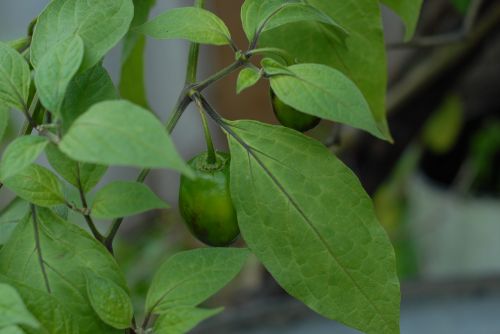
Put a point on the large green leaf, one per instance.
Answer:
(121, 133)
(181, 320)
(362, 58)
(190, 23)
(100, 24)
(132, 85)
(10, 216)
(55, 71)
(79, 174)
(20, 153)
(38, 185)
(15, 78)
(190, 277)
(12, 309)
(307, 218)
(67, 253)
(52, 316)
(257, 15)
(86, 89)
(322, 91)
(11, 330)
(111, 303)
(409, 10)
(124, 198)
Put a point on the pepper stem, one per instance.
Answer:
(211, 155)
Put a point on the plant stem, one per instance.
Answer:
(211, 156)
(200, 86)
(85, 213)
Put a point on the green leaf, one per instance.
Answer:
(193, 24)
(55, 71)
(76, 173)
(12, 309)
(4, 120)
(37, 185)
(121, 133)
(124, 198)
(307, 218)
(247, 78)
(20, 153)
(68, 252)
(15, 78)
(10, 216)
(266, 15)
(190, 277)
(100, 24)
(132, 85)
(362, 59)
(11, 330)
(53, 317)
(86, 89)
(409, 11)
(181, 320)
(322, 91)
(111, 303)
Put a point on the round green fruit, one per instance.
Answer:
(292, 118)
(205, 202)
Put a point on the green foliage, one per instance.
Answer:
(190, 277)
(247, 78)
(322, 91)
(260, 16)
(9, 217)
(79, 174)
(100, 24)
(123, 198)
(190, 23)
(111, 303)
(56, 69)
(132, 86)
(51, 314)
(362, 59)
(409, 10)
(20, 153)
(301, 211)
(11, 330)
(67, 253)
(12, 309)
(181, 320)
(4, 120)
(15, 78)
(37, 185)
(86, 89)
(316, 226)
(121, 133)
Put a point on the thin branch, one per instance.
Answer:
(85, 211)
(39, 248)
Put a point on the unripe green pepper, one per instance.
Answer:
(205, 202)
(292, 118)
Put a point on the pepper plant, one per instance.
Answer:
(299, 209)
